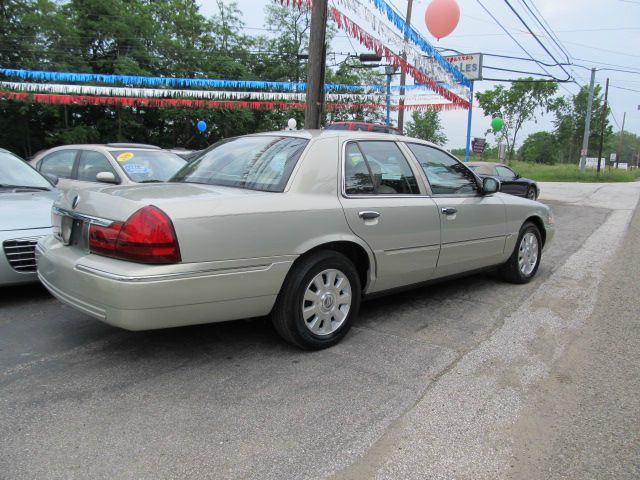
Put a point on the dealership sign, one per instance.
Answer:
(469, 64)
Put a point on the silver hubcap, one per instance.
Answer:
(528, 253)
(327, 301)
(531, 194)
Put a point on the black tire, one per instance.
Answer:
(532, 193)
(511, 271)
(287, 316)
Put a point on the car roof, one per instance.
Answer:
(349, 134)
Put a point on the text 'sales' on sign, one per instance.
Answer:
(470, 64)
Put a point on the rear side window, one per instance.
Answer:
(59, 163)
(446, 175)
(378, 167)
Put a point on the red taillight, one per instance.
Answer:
(147, 236)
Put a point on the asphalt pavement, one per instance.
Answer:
(431, 383)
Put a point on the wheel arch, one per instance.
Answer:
(538, 222)
(358, 253)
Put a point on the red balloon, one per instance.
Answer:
(442, 17)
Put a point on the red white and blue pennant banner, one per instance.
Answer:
(198, 103)
(428, 72)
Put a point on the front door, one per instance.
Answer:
(473, 225)
(384, 206)
(509, 182)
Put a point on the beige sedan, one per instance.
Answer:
(298, 225)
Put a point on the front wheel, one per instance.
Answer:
(531, 193)
(525, 259)
(318, 301)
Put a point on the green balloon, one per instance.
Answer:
(497, 124)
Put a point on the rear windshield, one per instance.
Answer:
(145, 166)
(253, 162)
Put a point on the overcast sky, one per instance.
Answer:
(596, 33)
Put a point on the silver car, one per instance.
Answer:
(82, 166)
(299, 225)
(26, 198)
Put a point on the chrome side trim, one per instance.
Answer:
(103, 222)
(395, 251)
(174, 276)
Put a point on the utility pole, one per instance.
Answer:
(587, 125)
(403, 75)
(603, 121)
(619, 149)
(316, 67)
(388, 70)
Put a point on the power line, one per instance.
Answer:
(511, 36)
(559, 48)
(536, 38)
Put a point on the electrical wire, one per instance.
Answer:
(536, 38)
(516, 41)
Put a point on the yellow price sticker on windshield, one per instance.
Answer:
(123, 157)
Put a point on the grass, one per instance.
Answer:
(571, 173)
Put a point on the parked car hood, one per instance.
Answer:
(25, 210)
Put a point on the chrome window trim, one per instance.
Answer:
(102, 222)
(343, 173)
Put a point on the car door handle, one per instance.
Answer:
(368, 215)
(449, 211)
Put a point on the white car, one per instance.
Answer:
(299, 225)
(26, 198)
(81, 166)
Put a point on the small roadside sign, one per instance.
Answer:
(478, 145)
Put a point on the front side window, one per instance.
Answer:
(258, 162)
(58, 163)
(91, 164)
(506, 173)
(378, 167)
(446, 175)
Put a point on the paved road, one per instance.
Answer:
(425, 385)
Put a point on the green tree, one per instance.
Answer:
(540, 147)
(426, 125)
(570, 113)
(517, 105)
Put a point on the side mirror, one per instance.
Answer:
(52, 178)
(490, 185)
(107, 177)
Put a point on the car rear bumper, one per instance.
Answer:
(143, 297)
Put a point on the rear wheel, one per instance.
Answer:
(525, 259)
(318, 302)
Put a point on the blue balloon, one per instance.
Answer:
(202, 125)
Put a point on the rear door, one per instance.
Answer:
(384, 205)
(473, 225)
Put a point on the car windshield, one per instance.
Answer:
(261, 162)
(14, 172)
(144, 166)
